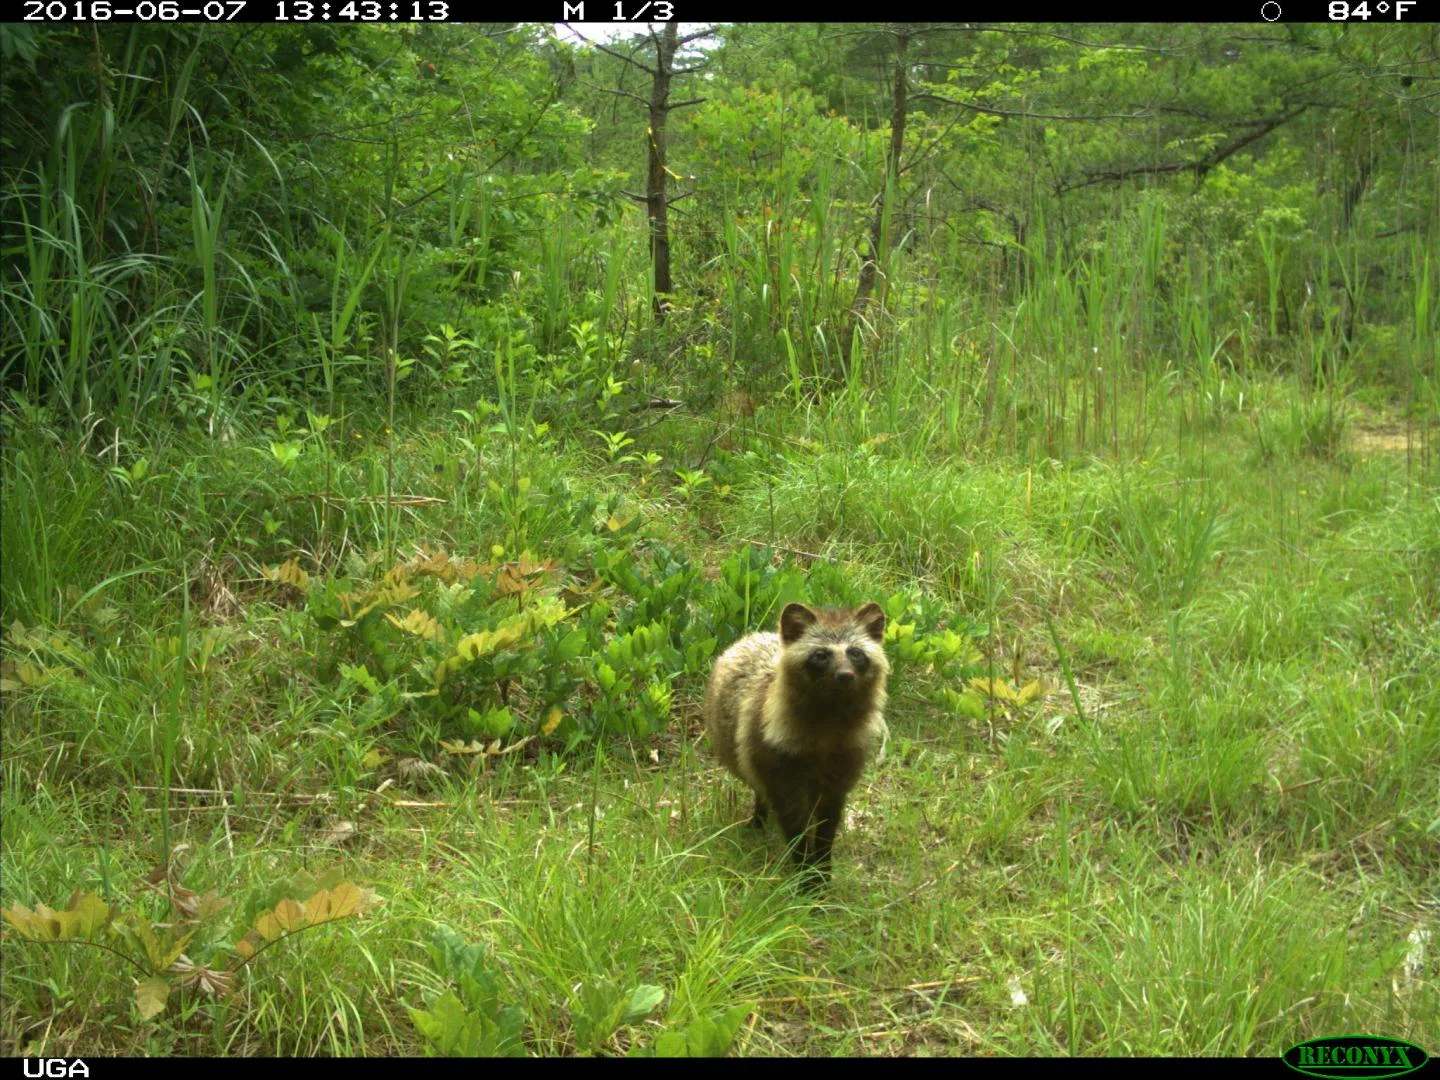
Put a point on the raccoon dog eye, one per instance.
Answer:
(819, 658)
(858, 657)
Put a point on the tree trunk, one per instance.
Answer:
(879, 232)
(656, 204)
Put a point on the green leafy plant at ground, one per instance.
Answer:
(520, 648)
(468, 1020)
(601, 1008)
(471, 1020)
(705, 1036)
(158, 950)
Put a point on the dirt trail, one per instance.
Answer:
(1386, 441)
(1372, 433)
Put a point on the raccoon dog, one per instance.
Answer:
(793, 715)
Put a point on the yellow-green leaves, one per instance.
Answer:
(157, 949)
(290, 916)
(1000, 690)
(511, 631)
(387, 594)
(420, 624)
(288, 573)
(932, 649)
(85, 914)
(151, 995)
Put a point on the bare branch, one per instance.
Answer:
(1199, 166)
(617, 93)
(422, 197)
(612, 52)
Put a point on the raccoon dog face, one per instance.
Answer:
(831, 651)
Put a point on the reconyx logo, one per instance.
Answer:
(1341, 1057)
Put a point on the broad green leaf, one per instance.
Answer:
(570, 646)
(643, 1000)
(672, 1044)
(151, 995)
(84, 914)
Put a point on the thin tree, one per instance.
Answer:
(666, 44)
(879, 224)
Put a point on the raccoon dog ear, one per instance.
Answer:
(794, 621)
(872, 620)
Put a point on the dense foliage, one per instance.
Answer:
(248, 211)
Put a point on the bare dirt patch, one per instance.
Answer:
(1384, 441)
(1374, 432)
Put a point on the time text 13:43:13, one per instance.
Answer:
(362, 10)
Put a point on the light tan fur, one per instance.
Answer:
(793, 714)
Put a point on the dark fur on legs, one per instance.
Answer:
(759, 814)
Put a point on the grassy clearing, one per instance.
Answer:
(1221, 843)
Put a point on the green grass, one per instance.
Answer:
(1224, 852)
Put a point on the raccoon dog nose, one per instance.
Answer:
(844, 675)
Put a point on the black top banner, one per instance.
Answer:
(697, 13)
